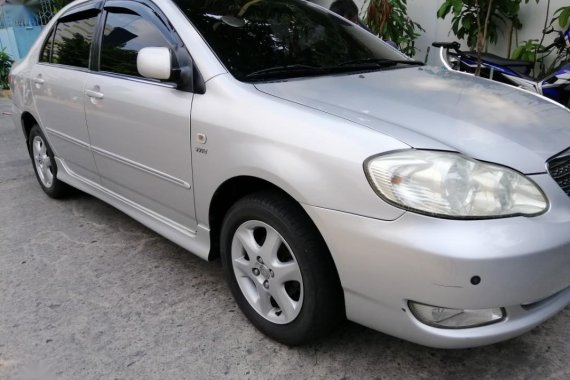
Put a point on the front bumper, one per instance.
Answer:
(523, 263)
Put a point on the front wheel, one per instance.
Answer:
(279, 269)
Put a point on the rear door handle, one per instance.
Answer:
(94, 94)
(39, 80)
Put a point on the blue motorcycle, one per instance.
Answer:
(554, 85)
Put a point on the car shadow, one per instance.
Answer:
(350, 344)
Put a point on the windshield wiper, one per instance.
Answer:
(381, 62)
(286, 69)
(302, 70)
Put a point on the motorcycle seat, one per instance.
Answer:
(522, 67)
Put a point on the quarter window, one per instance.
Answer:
(46, 50)
(125, 34)
(73, 36)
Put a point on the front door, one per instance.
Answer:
(140, 128)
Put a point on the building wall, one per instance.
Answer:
(17, 40)
(424, 12)
(25, 38)
(8, 43)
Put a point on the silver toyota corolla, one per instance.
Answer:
(333, 176)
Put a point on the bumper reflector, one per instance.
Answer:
(446, 318)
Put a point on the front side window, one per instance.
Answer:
(73, 37)
(268, 36)
(125, 34)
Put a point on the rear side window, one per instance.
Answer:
(46, 50)
(73, 36)
(124, 35)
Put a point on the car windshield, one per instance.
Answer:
(268, 39)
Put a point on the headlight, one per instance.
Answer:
(451, 185)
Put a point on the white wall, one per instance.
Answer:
(424, 12)
(532, 16)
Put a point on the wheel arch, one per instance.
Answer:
(227, 194)
(275, 205)
(27, 122)
(234, 189)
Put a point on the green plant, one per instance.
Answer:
(478, 21)
(57, 5)
(471, 18)
(528, 51)
(533, 50)
(563, 15)
(389, 20)
(5, 66)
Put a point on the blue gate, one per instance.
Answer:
(20, 25)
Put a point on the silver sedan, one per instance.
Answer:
(333, 176)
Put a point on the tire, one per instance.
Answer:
(44, 165)
(279, 269)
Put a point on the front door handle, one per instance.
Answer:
(39, 80)
(94, 94)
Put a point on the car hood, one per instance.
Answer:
(432, 108)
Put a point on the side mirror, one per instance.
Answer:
(155, 62)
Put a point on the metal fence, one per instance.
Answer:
(21, 23)
(36, 14)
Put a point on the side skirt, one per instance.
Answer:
(197, 242)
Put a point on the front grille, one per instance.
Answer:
(559, 169)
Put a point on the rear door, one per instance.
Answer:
(140, 128)
(58, 80)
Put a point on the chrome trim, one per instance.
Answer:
(141, 167)
(94, 94)
(59, 66)
(564, 153)
(109, 74)
(135, 79)
(444, 60)
(68, 138)
(524, 84)
(539, 86)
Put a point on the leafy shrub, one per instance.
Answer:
(389, 20)
(5, 66)
(527, 51)
(472, 17)
(563, 15)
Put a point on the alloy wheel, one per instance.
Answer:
(267, 272)
(42, 161)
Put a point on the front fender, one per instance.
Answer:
(315, 157)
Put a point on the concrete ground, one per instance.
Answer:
(88, 293)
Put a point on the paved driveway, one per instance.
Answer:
(88, 293)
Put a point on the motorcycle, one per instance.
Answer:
(555, 84)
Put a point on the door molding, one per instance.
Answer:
(68, 138)
(141, 167)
